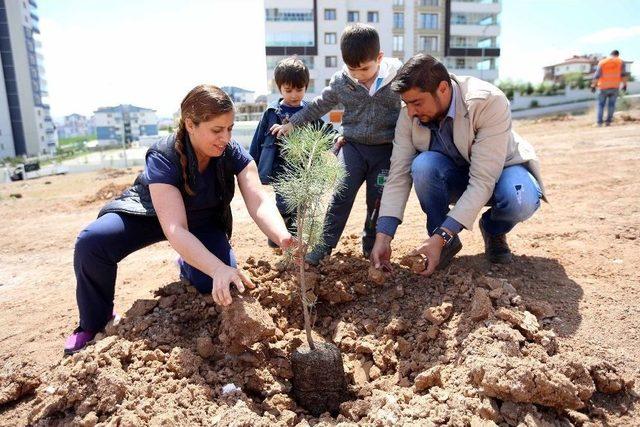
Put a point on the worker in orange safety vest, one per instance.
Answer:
(609, 74)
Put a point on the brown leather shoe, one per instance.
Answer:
(496, 248)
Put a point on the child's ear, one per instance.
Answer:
(379, 58)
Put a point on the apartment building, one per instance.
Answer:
(74, 125)
(26, 127)
(461, 33)
(124, 121)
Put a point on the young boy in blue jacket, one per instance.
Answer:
(371, 110)
(292, 78)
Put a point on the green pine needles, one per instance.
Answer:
(312, 174)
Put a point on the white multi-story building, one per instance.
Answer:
(74, 125)
(128, 122)
(463, 33)
(26, 127)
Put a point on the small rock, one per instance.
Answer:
(416, 263)
(541, 309)
(432, 332)
(376, 276)
(361, 372)
(374, 373)
(438, 315)
(428, 378)
(396, 326)
(481, 307)
(205, 347)
(142, 307)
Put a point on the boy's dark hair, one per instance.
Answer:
(291, 71)
(421, 71)
(359, 43)
(615, 52)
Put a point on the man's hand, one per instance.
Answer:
(381, 252)
(624, 87)
(431, 248)
(281, 130)
(222, 279)
(593, 89)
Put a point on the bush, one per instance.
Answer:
(534, 103)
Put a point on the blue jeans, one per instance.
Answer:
(608, 97)
(439, 182)
(109, 239)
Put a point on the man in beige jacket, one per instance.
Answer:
(454, 142)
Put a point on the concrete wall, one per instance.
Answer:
(520, 102)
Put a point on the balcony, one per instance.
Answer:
(475, 30)
(476, 7)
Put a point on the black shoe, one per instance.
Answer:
(496, 248)
(448, 252)
(367, 247)
(272, 244)
(314, 258)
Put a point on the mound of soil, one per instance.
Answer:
(106, 193)
(460, 348)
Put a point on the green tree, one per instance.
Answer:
(312, 175)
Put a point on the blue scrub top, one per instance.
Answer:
(199, 208)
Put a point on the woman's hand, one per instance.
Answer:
(222, 279)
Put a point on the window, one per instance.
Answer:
(398, 20)
(331, 61)
(459, 19)
(429, 21)
(398, 2)
(429, 43)
(329, 14)
(398, 43)
(353, 16)
(428, 2)
(329, 38)
(459, 41)
(460, 63)
(372, 17)
(312, 86)
(326, 82)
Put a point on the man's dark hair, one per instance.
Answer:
(291, 71)
(359, 43)
(421, 71)
(615, 52)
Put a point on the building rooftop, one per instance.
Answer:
(128, 108)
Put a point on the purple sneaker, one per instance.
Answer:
(80, 338)
(77, 341)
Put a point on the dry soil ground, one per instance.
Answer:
(459, 348)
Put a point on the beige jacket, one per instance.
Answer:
(483, 136)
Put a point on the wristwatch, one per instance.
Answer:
(444, 234)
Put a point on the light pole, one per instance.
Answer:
(125, 123)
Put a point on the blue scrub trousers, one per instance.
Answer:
(111, 238)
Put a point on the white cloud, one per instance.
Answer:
(611, 34)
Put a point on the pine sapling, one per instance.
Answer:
(312, 174)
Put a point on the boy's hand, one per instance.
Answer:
(281, 130)
(340, 142)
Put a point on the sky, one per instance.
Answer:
(150, 53)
